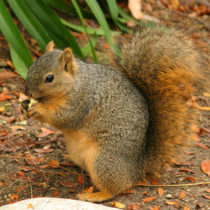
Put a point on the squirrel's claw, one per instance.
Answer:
(95, 197)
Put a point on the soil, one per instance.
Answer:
(32, 155)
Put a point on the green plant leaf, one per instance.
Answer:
(66, 7)
(31, 23)
(76, 6)
(113, 8)
(95, 8)
(52, 23)
(20, 66)
(92, 31)
(13, 36)
(86, 49)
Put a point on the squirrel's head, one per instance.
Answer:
(51, 75)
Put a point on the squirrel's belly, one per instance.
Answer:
(82, 150)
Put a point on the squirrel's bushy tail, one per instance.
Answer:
(165, 68)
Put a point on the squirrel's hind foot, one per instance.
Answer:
(95, 197)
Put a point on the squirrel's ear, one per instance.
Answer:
(67, 61)
(50, 47)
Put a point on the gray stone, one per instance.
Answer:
(54, 204)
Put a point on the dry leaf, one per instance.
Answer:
(155, 181)
(54, 163)
(118, 205)
(192, 179)
(1, 183)
(4, 97)
(206, 196)
(2, 109)
(149, 199)
(45, 132)
(9, 63)
(200, 205)
(171, 203)
(43, 150)
(156, 208)
(25, 168)
(160, 191)
(135, 8)
(205, 166)
(14, 197)
(68, 184)
(21, 188)
(202, 146)
(186, 208)
(7, 75)
(186, 169)
(175, 4)
(134, 206)
(182, 195)
(30, 206)
(106, 46)
(61, 174)
(56, 193)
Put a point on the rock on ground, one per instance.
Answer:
(54, 204)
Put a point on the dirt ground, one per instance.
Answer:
(32, 155)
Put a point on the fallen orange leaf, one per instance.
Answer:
(21, 188)
(205, 166)
(186, 208)
(206, 196)
(182, 195)
(171, 203)
(160, 191)
(118, 205)
(54, 163)
(30, 206)
(56, 193)
(156, 208)
(190, 178)
(202, 146)
(146, 200)
(14, 197)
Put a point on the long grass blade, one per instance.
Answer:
(95, 8)
(76, 6)
(31, 23)
(52, 23)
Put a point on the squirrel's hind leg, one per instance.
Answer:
(112, 174)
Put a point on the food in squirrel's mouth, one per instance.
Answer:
(28, 103)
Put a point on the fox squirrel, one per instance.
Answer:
(119, 125)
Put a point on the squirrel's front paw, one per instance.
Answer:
(33, 111)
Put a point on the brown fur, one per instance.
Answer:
(166, 69)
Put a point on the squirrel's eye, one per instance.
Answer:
(49, 78)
